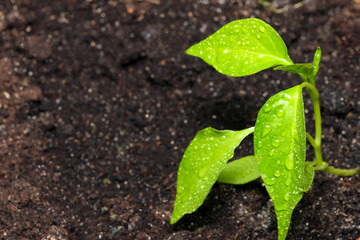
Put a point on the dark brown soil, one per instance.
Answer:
(98, 102)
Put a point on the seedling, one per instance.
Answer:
(240, 48)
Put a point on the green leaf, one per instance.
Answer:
(200, 166)
(308, 176)
(317, 58)
(301, 68)
(310, 70)
(240, 171)
(280, 147)
(242, 47)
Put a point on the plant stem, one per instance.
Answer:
(316, 142)
(342, 172)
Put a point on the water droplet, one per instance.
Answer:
(223, 137)
(258, 36)
(265, 130)
(280, 113)
(262, 29)
(211, 139)
(278, 162)
(270, 190)
(288, 181)
(269, 181)
(277, 173)
(259, 144)
(272, 151)
(247, 42)
(286, 197)
(289, 163)
(280, 207)
(267, 107)
(180, 189)
(202, 186)
(195, 147)
(202, 172)
(279, 124)
(275, 143)
(281, 232)
(296, 137)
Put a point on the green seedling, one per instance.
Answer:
(241, 48)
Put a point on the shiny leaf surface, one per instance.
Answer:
(200, 166)
(240, 171)
(242, 47)
(302, 68)
(308, 176)
(279, 143)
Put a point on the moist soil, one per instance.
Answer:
(98, 102)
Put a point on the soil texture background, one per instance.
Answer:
(98, 102)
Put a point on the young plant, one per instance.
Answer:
(240, 48)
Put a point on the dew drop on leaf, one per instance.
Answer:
(288, 182)
(275, 143)
(289, 163)
(267, 107)
(277, 173)
(272, 151)
(296, 137)
(202, 172)
(259, 144)
(262, 29)
(269, 181)
(266, 129)
(280, 113)
(286, 196)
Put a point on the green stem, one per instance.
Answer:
(310, 139)
(316, 142)
(303, 77)
(317, 148)
(342, 172)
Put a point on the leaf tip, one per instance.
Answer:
(173, 220)
(175, 217)
(191, 51)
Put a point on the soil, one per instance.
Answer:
(98, 101)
